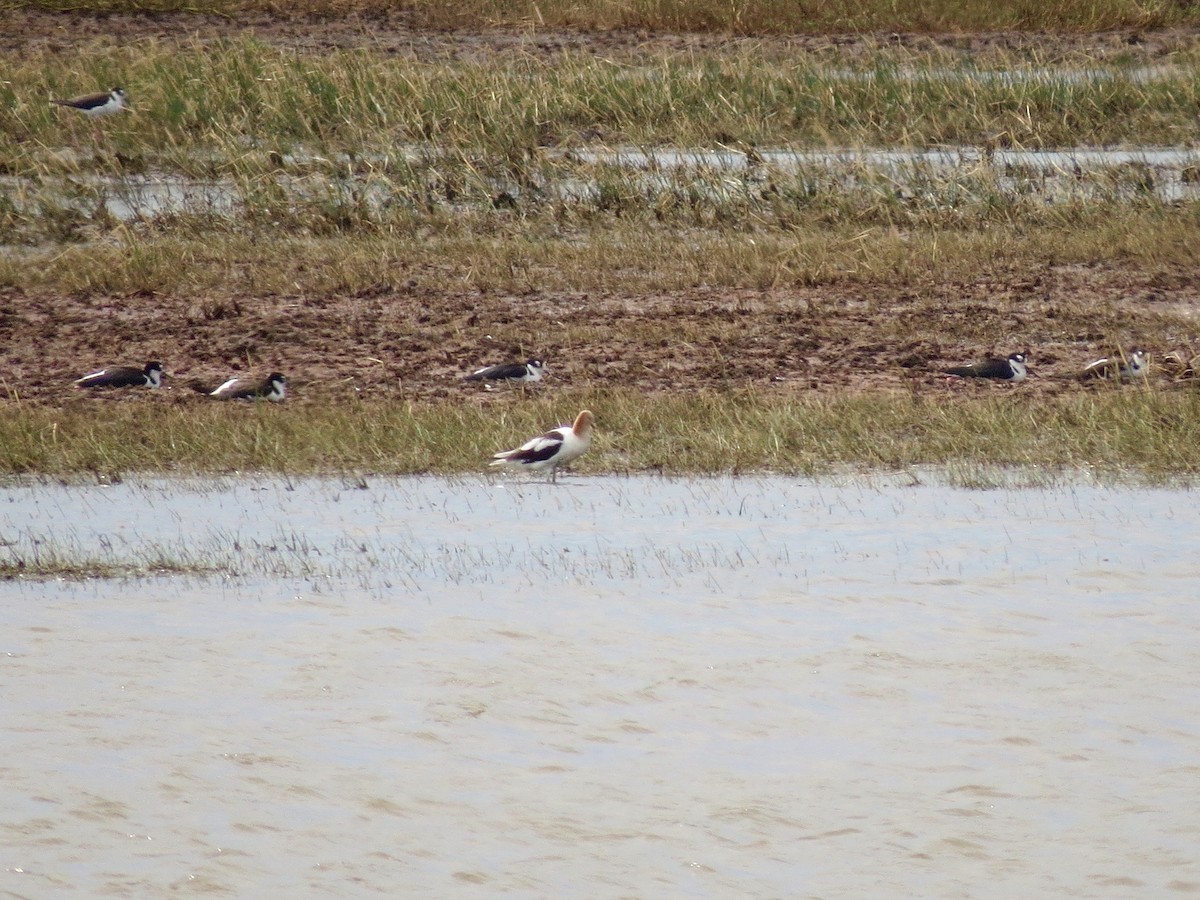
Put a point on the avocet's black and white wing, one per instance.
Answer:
(548, 451)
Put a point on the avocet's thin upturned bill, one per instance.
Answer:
(96, 105)
(553, 449)
(1012, 369)
(124, 376)
(1125, 368)
(530, 370)
(273, 388)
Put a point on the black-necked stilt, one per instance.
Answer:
(96, 105)
(1012, 369)
(1122, 367)
(150, 376)
(520, 373)
(553, 449)
(273, 388)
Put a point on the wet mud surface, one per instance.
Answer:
(417, 344)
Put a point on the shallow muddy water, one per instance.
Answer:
(610, 687)
(953, 173)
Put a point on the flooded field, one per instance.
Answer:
(964, 174)
(610, 687)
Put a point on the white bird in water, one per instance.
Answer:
(553, 449)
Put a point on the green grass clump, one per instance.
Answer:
(29, 556)
(1148, 433)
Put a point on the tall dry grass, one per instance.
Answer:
(246, 108)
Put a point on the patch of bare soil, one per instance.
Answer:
(416, 346)
(23, 31)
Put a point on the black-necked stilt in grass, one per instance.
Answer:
(515, 373)
(553, 449)
(1012, 369)
(95, 105)
(150, 376)
(1122, 367)
(273, 387)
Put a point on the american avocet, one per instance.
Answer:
(1012, 369)
(95, 105)
(553, 449)
(1122, 367)
(124, 376)
(530, 370)
(273, 387)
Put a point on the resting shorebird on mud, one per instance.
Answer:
(124, 376)
(1122, 367)
(550, 450)
(273, 387)
(513, 373)
(1012, 369)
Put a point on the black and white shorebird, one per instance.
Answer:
(96, 105)
(150, 376)
(1012, 369)
(1121, 367)
(273, 388)
(514, 373)
(553, 449)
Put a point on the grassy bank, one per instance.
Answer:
(1149, 434)
(561, 250)
(743, 16)
(238, 106)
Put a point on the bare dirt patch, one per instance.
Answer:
(24, 31)
(416, 346)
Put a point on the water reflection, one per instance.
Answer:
(719, 687)
(429, 533)
(1056, 176)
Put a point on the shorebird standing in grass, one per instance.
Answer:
(273, 388)
(553, 449)
(515, 373)
(1122, 367)
(1012, 369)
(124, 376)
(96, 105)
